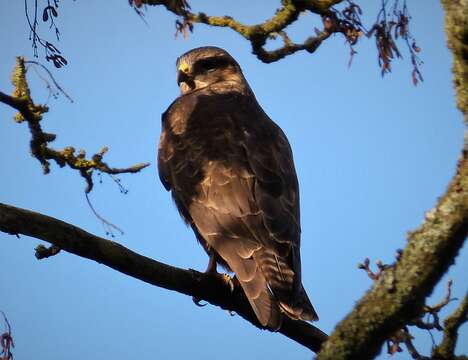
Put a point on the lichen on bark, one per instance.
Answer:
(32, 113)
(399, 295)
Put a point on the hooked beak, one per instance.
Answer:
(184, 76)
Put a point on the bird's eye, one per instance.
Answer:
(208, 65)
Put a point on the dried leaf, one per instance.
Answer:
(45, 15)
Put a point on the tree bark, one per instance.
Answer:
(202, 286)
(399, 295)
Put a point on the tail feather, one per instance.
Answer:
(262, 301)
(285, 285)
(301, 309)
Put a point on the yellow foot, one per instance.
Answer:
(228, 280)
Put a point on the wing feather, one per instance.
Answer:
(232, 175)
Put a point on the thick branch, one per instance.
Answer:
(456, 27)
(202, 286)
(398, 296)
(13, 102)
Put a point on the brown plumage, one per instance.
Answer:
(231, 174)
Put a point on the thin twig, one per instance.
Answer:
(108, 226)
(56, 84)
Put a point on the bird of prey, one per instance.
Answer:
(231, 174)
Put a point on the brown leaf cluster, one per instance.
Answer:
(392, 24)
(49, 15)
(6, 341)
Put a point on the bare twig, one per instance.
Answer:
(428, 319)
(403, 336)
(108, 226)
(446, 349)
(51, 76)
(431, 313)
(381, 267)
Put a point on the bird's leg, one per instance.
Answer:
(211, 269)
(212, 266)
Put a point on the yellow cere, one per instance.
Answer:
(184, 68)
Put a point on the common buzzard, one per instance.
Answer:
(231, 174)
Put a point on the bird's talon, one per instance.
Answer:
(228, 280)
(197, 301)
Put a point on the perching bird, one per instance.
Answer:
(231, 174)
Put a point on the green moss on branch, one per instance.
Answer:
(399, 295)
(31, 113)
(456, 27)
(257, 34)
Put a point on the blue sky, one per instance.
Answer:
(372, 156)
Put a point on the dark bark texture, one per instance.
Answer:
(202, 286)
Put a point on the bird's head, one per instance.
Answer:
(205, 66)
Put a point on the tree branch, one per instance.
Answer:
(32, 114)
(202, 286)
(258, 34)
(446, 349)
(398, 295)
(392, 24)
(456, 28)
